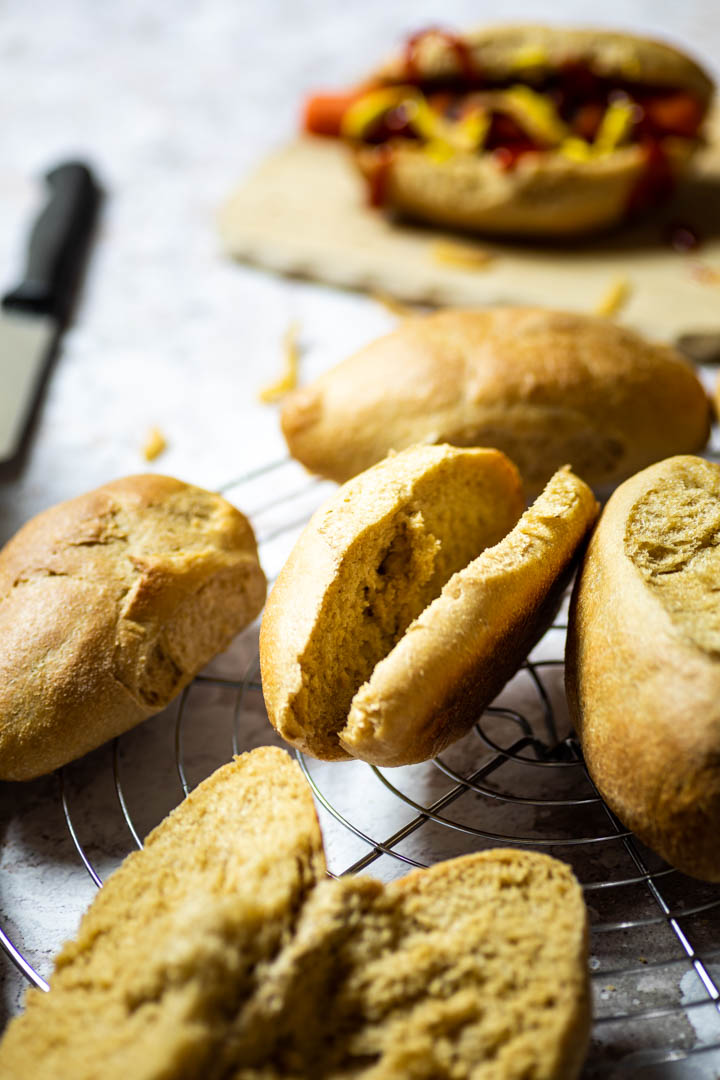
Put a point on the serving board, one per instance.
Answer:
(304, 212)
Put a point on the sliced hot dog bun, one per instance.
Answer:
(369, 561)
(643, 660)
(545, 387)
(220, 950)
(474, 969)
(458, 654)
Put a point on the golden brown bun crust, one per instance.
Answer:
(643, 660)
(497, 54)
(547, 388)
(109, 604)
(474, 637)
(368, 562)
(544, 194)
(219, 950)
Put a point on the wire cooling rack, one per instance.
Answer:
(517, 779)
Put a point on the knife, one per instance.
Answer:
(35, 313)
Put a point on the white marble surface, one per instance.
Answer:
(172, 102)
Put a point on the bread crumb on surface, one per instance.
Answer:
(155, 444)
(463, 256)
(288, 379)
(615, 297)
(393, 305)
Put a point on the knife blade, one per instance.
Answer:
(36, 311)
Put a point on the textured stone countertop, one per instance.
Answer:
(172, 103)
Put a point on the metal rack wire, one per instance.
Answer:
(517, 779)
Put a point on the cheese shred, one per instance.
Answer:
(463, 256)
(288, 378)
(154, 444)
(615, 297)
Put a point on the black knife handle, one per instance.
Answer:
(58, 242)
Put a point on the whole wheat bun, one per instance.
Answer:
(221, 950)
(548, 193)
(109, 605)
(643, 660)
(545, 387)
(391, 627)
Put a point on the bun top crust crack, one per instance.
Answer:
(525, 130)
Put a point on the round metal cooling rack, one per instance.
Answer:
(517, 779)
